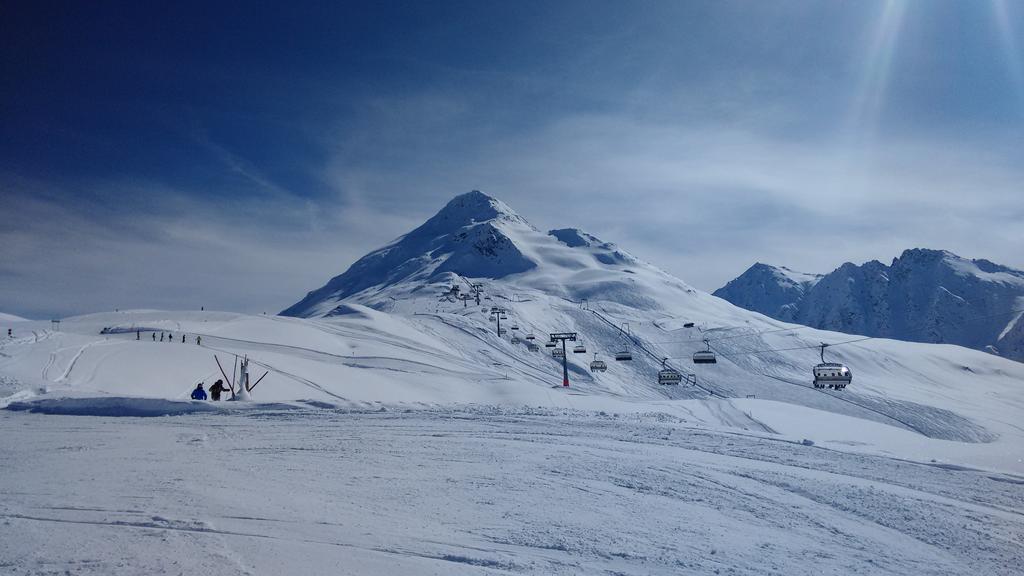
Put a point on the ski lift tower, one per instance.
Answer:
(563, 336)
(498, 313)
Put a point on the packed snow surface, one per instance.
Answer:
(480, 491)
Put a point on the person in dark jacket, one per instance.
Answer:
(216, 390)
(199, 393)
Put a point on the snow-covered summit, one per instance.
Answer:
(470, 236)
(772, 290)
(923, 295)
(479, 237)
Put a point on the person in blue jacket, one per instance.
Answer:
(199, 393)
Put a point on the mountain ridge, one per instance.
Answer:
(923, 295)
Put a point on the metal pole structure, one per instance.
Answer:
(565, 366)
(563, 336)
(498, 316)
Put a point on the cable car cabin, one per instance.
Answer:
(669, 377)
(704, 357)
(579, 349)
(598, 366)
(832, 375)
(531, 337)
(532, 347)
(549, 344)
(558, 353)
(623, 356)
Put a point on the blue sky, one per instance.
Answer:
(235, 157)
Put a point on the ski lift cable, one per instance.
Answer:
(795, 328)
(642, 347)
(829, 394)
(814, 346)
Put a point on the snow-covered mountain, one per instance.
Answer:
(923, 296)
(477, 236)
(407, 397)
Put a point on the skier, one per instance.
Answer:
(199, 393)
(154, 336)
(138, 334)
(161, 336)
(216, 389)
(182, 338)
(170, 337)
(199, 340)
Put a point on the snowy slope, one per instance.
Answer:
(923, 296)
(10, 318)
(393, 335)
(480, 491)
(397, 432)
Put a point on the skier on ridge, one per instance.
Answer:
(199, 393)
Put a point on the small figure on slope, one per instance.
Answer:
(216, 390)
(199, 393)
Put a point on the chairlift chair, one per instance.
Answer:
(549, 344)
(515, 326)
(532, 347)
(668, 376)
(623, 355)
(515, 339)
(597, 365)
(557, 353)
(530, 337)
(831, 374)
(579, 348)
(705, 356)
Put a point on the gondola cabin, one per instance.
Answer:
(832, 375)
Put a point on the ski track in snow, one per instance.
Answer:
(480, 491)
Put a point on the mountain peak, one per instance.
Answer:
(470, 208)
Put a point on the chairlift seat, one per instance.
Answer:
(579, 349)
(623, 356)
(669, 376)
(704, 357)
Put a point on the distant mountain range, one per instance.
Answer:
(922, 296)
